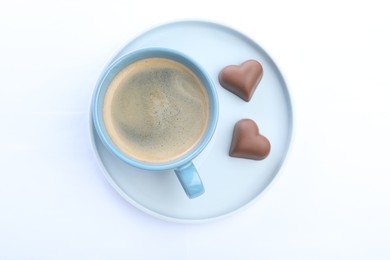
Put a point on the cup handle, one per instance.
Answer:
(190, 180)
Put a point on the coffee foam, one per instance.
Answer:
(155, 110)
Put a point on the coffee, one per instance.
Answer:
(156, 110)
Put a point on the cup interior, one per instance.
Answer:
(118, 65)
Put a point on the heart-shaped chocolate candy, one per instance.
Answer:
(242, 80)
(247, 142)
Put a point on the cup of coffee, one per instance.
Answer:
(157, 109)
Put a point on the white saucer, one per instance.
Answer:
(230, 183)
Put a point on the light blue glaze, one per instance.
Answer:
(189, 179)
(183, 166)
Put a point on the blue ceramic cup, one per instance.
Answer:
(182, 166)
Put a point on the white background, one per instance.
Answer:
(331, 200)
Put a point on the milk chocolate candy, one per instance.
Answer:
(242, 80)
(247, 142)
